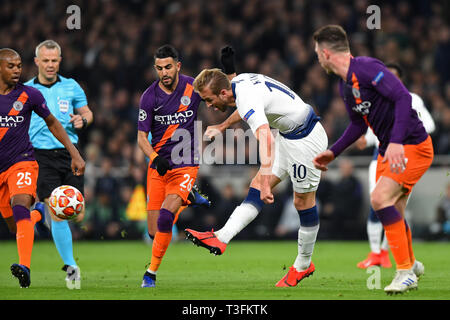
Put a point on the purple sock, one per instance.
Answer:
(165, 221)
(388, 215)
(20, 213)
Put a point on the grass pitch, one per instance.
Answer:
(247, 271)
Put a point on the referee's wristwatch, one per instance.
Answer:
(85, 123)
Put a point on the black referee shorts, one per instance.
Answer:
(55, 171)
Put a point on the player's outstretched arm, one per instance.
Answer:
(266, 153)
(55, 127)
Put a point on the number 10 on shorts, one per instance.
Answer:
(299, 172)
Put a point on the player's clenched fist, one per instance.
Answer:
(213, 131)
(162, 165)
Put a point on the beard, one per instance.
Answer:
(169, 84)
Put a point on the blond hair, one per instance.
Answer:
(215, 79)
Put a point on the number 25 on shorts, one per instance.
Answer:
(23, 179)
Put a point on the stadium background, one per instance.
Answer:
(111, 57)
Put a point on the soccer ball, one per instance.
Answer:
(66, 202)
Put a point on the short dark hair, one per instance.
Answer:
(166, 51)
(333, 36)
(397, 67)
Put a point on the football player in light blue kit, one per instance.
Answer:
(67, 102)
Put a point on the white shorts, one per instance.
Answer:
(294, 158)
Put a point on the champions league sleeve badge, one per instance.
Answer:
(142, 115)
(185, 100)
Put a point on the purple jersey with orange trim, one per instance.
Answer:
(16, 108)
(375, 97)
(170, 118)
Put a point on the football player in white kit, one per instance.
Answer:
(265, 103)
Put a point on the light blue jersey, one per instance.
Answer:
(63, 97)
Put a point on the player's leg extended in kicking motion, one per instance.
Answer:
(216, 242)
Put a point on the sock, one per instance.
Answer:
(239, 219)
(307, 235)
(394, 227)
(24, 234)
(409, 236)
(35, 216)
(162, 238)
(62, 237)
(384, 243)
(374, 233)
(241, 216)
(159, 247)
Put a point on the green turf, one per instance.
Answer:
(248, 270)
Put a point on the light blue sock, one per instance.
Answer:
(62, 237)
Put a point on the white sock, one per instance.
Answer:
(239, 219)
(150, 271)
(384, 244)
(374, 233)
(306, 241)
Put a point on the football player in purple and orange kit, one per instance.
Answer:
(168, 110)
(18, 167)
(375, 97)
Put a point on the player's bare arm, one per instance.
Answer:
(83, 118)
(266, 152)
(144, 144)
(162, 164)
(55, 127)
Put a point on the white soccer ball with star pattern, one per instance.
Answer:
(66, 202)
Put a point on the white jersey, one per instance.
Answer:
(423, 113)
(263, 100)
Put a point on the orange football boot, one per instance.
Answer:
(293, 277)
(207, 240)
(373, 259)
(384, 259)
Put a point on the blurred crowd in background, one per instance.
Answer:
(111, 56)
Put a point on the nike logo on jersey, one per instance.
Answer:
(156, 109)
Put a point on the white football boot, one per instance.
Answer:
(404, 281)
(418, 268)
